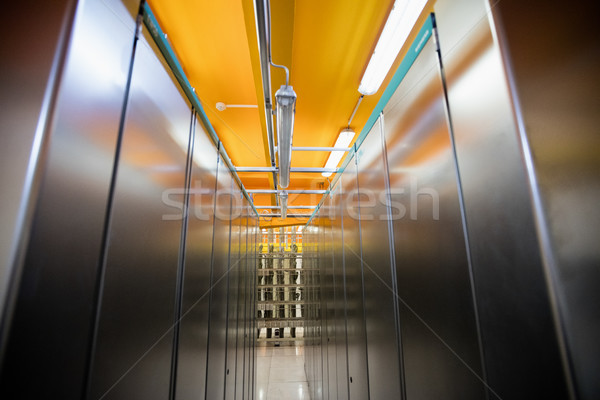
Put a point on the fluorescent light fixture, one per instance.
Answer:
(286, 107)
(400, 22)
(283, 200)
(343, 140)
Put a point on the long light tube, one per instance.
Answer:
(343, 140)
(286, 107)
(400, 22)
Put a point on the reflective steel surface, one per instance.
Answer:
(557, 88)
(454, 258)
(30, 83)
(215, 372)
(54, 304)
(193, 331)
(339, 300)
(358, 377)
(133, 349)
(522, 357)
(437, 318)
(380, 297)
(233, 285)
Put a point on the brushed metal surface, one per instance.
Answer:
(133, 352)
(316, 298)
(245, 360)
(323, 240)
(47, 347)
(328, 304)
(555, 77)
(30, 81)
(437, 317)
(339, 303)
(234, 314)
(217, 335)
(522, 357)
(312, 343)
(253, 319)
(382, 342)
(239, 374)
(353, 287)
(249, 310)
(193, 336)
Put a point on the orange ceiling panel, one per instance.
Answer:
(209, 38)
(326, 44)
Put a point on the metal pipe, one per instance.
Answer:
(222, 106)
(256, 169)
(355, 109)
(313, 170)
(289, 207)
(300, 148)
(268, 31)
(264, 46)
(295, 191)
(297, 169)
(288, 215)
(321, 148)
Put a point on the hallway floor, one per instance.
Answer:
(280, 373)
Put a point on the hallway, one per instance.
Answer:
(409, 188)
(280, 373)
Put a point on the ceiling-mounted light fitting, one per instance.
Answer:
(286, 107)
(400, 22)
(283, 202)
(343, 140)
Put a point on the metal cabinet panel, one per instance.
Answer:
(438, 326)
(234, 314)
(328, 310)
(557, 84)
(248, 310)
(338, 300)
(241, 315)
(193, 330)
(522, 358)
(134, 339)
(253, 279)
(242, 307)
(32, 51)
(353, 287)
(48, 345)
(379, 279)
(217, 335)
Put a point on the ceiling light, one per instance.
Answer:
(286, 107)
(400, 22)
(283, 200)
(343, 140)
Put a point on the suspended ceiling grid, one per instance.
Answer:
(325, 44)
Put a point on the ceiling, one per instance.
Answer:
(326, 44)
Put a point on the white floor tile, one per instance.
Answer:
(280, 374)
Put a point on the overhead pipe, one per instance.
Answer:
(262, 16)
(301, 148)
(286, 108)
(288, 215)
(309, 170)
(295, 191)
(289, 207)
